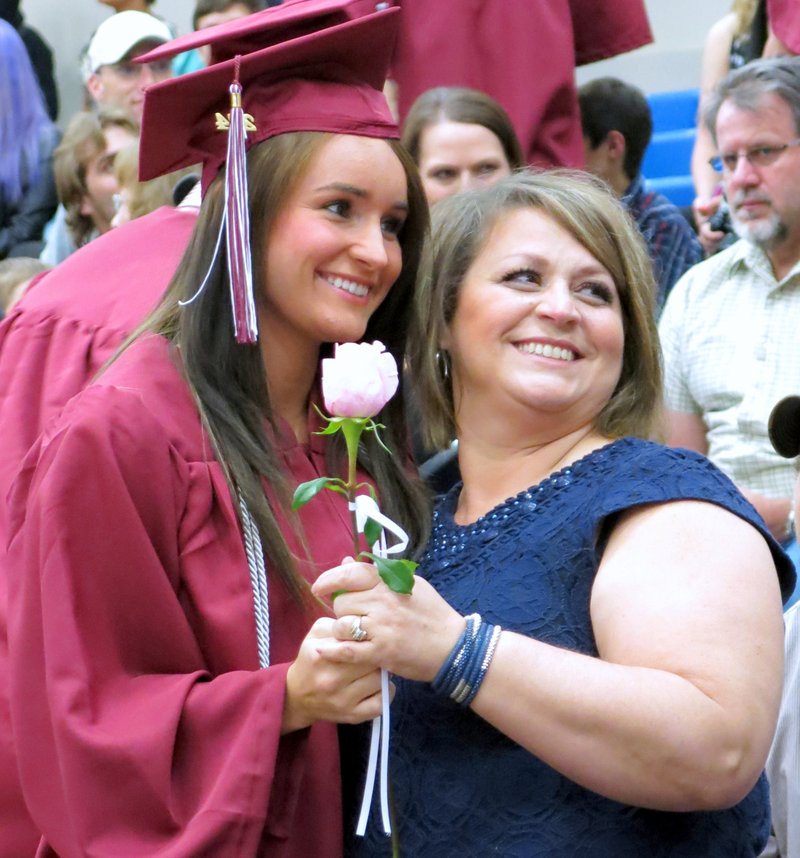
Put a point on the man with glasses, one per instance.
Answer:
(729, 328)
(111, 76)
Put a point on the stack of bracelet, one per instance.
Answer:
(463, 670)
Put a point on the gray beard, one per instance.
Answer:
(765, 234)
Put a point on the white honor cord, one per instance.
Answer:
(364, 508)
(258, 580)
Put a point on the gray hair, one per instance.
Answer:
(746, 86)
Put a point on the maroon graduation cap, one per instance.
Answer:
(308, 65)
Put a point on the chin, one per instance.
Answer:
(764, 233)
(344, 333)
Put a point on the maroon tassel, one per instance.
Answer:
(237, 222)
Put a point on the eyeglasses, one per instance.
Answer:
(758, 156)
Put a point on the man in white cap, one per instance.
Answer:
(112, 78)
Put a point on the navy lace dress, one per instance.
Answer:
(460, 787)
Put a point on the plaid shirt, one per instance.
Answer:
(729, 336)
(673, 246)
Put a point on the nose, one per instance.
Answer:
(557, 304)
(467, 181)
(370, 246)
(744, 173)
(146, 76)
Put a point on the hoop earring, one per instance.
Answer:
(443, 364)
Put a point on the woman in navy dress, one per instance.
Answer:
(590, 661)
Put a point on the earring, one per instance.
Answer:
(443, 364)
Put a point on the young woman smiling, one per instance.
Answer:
(165, 639)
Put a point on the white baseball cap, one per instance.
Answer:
(118, 35)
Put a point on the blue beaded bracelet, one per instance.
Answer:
(445, 680)
(465, 667)
(483, 665)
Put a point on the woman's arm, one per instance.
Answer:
(679, 710)
(716, 63)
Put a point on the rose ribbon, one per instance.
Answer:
(365, 507)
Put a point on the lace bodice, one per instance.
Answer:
(460, 787)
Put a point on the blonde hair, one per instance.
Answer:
(582, 206)
(745, 11)
(15, 274)
(144, 197)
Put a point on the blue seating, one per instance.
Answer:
(677, 189)
(667, 161)
(673, 111)
(669, 154)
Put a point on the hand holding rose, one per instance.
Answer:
(392, 621)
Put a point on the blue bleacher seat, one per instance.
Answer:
(673, 111)
(669, 154)
(678, 189)
(667, 161)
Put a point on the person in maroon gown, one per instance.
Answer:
(520, 53)
(166, 696)
(55, 339)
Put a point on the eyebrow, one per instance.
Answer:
(354, 191)
(526, 257)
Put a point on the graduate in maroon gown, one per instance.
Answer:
(51, 344)
(784, 23)
(166, 692)
(521, 53)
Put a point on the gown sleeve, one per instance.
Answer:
(128, 745)
(607, 28)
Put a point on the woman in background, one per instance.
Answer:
(460, 139)
(27, 140)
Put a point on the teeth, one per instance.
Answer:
(546, 350)
(349, 286)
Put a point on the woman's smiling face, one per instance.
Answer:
(538, 325)
(334, 249)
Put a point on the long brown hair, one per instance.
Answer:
(229, 381)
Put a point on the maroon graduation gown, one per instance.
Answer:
(142, 722)
(522, 53)
(51, 344)
(784, 20)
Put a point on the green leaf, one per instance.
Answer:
(305, 491)
(398, 575)
(374, 427)
(334, 425)
(372, 531)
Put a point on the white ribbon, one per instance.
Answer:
(365, 507)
